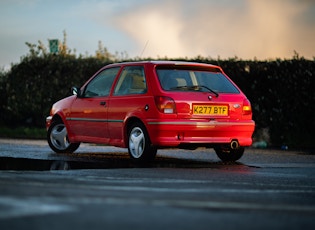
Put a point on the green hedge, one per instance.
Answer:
(282, 92)
(33, 85)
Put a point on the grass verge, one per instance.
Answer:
(23, 132)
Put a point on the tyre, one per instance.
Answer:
(57, 137)
(227, 154)
(139, 145)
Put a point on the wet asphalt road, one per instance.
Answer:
(100, 188)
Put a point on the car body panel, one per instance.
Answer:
(123, 108)
(105, 119)
(88, 119)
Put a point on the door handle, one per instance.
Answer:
(103, 103)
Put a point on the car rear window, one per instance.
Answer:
(193, 79)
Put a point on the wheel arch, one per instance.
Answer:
(58, 136)
(142, 149)
(57, 117)
(62, 118)
(129, 121)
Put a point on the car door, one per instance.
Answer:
(88, 115)
(129, 98)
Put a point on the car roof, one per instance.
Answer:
(161, 62)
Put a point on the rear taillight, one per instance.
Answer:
(165, 104)
(247, 109)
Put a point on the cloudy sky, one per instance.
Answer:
(248, 29)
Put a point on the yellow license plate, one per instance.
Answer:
(210, 110)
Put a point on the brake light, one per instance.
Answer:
(165, 104)
(247, 108)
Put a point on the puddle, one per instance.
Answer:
(37, 156)
(94, 162)
(9, 163)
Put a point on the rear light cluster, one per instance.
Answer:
(247, 109)
(165, 104)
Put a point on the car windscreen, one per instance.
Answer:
(194, 80)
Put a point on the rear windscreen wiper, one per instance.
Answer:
(210, 90)
(196, 88)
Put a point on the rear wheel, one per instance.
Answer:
(227, 154)
(57, 137)
(139, 145)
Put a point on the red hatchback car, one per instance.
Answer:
(148, 105)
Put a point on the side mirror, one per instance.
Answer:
(76, 91)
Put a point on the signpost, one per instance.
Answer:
(54, 46)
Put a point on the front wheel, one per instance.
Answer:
(57, 137)
(139, 145)
(228, 154)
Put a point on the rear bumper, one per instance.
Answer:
(174, 133)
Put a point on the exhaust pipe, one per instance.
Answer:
(234, 144)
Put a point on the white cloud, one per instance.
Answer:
(157, 31)
(248, 28)
(173, 28)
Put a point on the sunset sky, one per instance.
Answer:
(262, 29)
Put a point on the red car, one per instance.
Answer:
(148, 105)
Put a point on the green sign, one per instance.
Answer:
(54, 46)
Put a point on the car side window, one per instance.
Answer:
(100, 85)
(131, 81)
